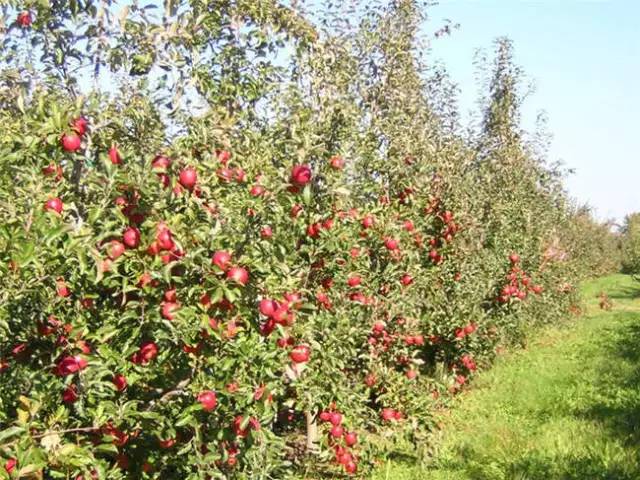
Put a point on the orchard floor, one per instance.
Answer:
(566, 407)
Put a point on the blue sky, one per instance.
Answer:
(584, 59)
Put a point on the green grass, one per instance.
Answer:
(567, 407)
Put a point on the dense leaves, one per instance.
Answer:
(244, 240)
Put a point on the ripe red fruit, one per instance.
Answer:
(313, 230)
(370, 380)
(170, 295)
(221, 259)
(354, 281)
(168, 309)
(10, 465)
(70, 394)
(131, 237)
(336, 431)
(411, 374)
(300, 354)
(406, 279)
(336, 162)
(164, 179)
(54, 205)
(80, 125)
(223, 156)
(61, 288)
(52, 169)
(267, 307)
(379, 327)
(70, 365)
(24, 19)
(170, 442)
(295, 211)
(351, 468)
(257, 190)
(391, 243)
(387, 414)
(120, 382)
(368, 221)
(238, 275)
(147, 352)
(325, 416)
(116, 249)
(165, 240)
(208, 400)
(514, 258)
(408, 225)
(70, 142)
(188, 178)
(335, 418)
(300, 175)
(350, 438)
(537, 289)
(114, 156)
(266, 232)
(160, 162)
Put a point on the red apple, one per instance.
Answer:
(238, 275)
(70, 364)
(221, 259)
(54, 205)
(268, 307)
(147, 352)
(71, 142)
(208, 400)
(80, 125)
(10, 465)
(350, 438)
(514, 258)
(335, 418)
(165, 240)
(114, 156)
(351, 467)
(300, 175)
(336, 162)
(24, 19)
(61, 288)
(257, 191)
(120, 382)
(391, 243)
(70, 394)
(266, 232)
(168, 309)
(116, 249)
(336, 431)
(406, 279)
(387, 414)
(300, 354)
(165, 444)
(160, 162)
(368, 221)
(131, 237)
(188, 178)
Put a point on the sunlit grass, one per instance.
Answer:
(567, 407)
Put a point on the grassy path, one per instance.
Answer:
(567, 407)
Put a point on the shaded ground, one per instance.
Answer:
(566, 408)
